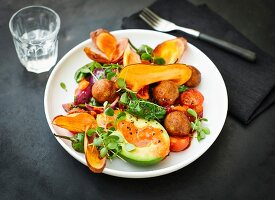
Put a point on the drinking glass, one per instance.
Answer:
(34, 30)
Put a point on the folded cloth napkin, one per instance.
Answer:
(250, 86)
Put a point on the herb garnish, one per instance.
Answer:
(182, 88)
(108, 144)
(77, 141)
(86, 70)
(63, 86)
(197, 125)
(111, 70)
(139, 107)
(146, 53)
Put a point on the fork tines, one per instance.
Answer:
(149, 17)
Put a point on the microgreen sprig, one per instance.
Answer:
(63, 86)
(111, 70)
(202, 131)
(146, 53)
(107, 143)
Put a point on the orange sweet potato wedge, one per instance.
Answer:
(171, 50)
(130, 56)
(95, 163)
(76, 122)
(138, 76)
(104, 41)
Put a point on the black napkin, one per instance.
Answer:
(250, 86)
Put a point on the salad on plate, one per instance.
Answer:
(136, 104)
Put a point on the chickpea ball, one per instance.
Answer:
(166, 93)
(195, 78)
(177, 124)
(104, 90)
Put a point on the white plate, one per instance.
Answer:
(212, 86)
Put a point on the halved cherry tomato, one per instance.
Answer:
(179, 143)
(199, 110)
(191, 98)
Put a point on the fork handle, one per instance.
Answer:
(244, 53)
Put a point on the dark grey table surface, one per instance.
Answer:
(239, 165)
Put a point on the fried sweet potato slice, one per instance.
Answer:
(76, 122)
(105, 42)
(111, 49)
(130, 56)
(171, 50)
(139, 75)
(95, 56)
(120, 49)
(95, 163)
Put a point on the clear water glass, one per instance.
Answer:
(34, 30)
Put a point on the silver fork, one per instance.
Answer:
(163, 25)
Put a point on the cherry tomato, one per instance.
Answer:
(191, 98)
(179, 143)
(199, 110)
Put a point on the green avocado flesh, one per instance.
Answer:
(153, 152)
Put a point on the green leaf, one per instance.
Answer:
(63, 86)
(109, 112)
(159, 61)
(206, 130)
(199, 137)
(103, 152)
(144, 49)
(182, 88)
(129, 147)
(121, 116)
(192, 112)
(78, 142)
(146, 56)
(85, 71)
(99, 130)
(113, 138)
(112, 129)
(204, 119)
(193, 125)
(90, 132)
(112, 145)
(202, 135)
(110, 75)
(120, 138)
(104, 135)
(133, 95)
(121, 83)
(97, 142)
(124, 99)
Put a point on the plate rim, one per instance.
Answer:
(144, 174)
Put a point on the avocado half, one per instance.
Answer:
(155, 149)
